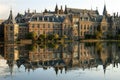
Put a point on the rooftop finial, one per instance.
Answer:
(104, 10)
(10, 7)
(104, 2)
(91, 5)
(96, 8)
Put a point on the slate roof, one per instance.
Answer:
(93, 15)
(78, 11)
(10, 19)
(48, 17)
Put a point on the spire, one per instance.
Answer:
(45, 11)
(10, 19)
(56, 8)
(65, 9)
(61, 7)
(105, 10)
(25, 12)
(61, 10)
(91, 8)
(10, 16)
(97, 10)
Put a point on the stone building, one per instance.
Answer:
(70, 22)
(1, 30)
(10, 29)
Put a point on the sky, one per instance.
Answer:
(39, 5)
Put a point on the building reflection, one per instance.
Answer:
(61, 57)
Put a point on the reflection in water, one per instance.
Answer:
(67, 57)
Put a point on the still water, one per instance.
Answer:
(71, 61)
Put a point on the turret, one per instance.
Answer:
(45, 11)
(56, 9)
(97, 10)
(65, 10)
(10, 19)
(105, 10)
(25, 12)
(61, 10)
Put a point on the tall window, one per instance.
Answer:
(38, 25)
(84, 26)
(48, 25)
(33, 26)
(43, 25)
(88, 27)
(11, 28)
(81, 26)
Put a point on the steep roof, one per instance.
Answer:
(10, 19)
(48, 17)
(78, 11)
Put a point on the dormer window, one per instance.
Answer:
(52, 19)
(37, 18)
(45, 18)
(40, 18)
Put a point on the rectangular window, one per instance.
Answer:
(88, 27)
(84, 26)
(81, 26)
(33, 26)
(11, 34)
(43, 25)
(11, 28)
(48, 25)
(81, 33)
(64, 33)
(38, 25)
(91, 28)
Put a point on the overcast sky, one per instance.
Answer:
(22, 5)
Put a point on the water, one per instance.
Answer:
(70, 61)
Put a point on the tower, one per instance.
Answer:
(65, 10)
(97, 10)
(61, 10)
(10, 29)
(56, 9)
(104, 10)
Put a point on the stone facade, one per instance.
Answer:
(10, 29)
(1, 30)
(71, 22)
